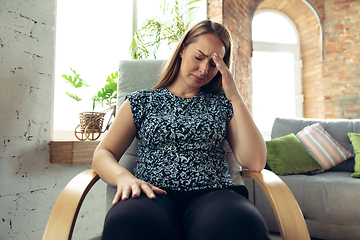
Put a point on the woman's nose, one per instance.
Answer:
(204, 67)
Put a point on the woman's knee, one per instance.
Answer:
(227, 215)
(141, 218)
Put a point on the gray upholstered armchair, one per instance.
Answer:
(140, 74)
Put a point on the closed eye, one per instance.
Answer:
(212, 64)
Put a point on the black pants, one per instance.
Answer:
(196, 215)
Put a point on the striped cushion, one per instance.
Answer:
(322, 147)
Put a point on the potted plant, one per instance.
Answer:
(91, 123)
(108, 93)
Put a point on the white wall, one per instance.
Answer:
(29, 184)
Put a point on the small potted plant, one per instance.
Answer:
(91, 123)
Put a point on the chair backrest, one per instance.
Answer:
(135, 75)
(143, 74)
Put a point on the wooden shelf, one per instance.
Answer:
(72, 152)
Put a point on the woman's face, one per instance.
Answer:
(197, 66)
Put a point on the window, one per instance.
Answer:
(276, 65)
(92, 37)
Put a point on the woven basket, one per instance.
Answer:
(92, 120)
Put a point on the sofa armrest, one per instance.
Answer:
(286, 209)
(62, 219)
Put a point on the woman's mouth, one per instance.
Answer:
(198, 79)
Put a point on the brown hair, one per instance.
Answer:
(172, 67)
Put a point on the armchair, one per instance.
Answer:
(134, 75)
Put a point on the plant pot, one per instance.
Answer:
(90, 126)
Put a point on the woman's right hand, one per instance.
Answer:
(109, 151)
(129, 186)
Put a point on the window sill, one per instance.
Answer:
(72, 152)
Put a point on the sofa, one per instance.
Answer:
(329, 199)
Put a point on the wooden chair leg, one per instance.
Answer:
(288, 214)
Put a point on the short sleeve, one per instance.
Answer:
(138, 103)
(227, 107)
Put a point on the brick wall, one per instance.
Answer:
(330, 50)
(341, 66)
(215, 10)
(236, 15)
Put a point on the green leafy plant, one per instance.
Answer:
(76, 82)
(107, 94)
(148, 38)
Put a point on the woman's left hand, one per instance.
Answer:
(228, 82)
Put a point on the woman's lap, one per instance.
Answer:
(142, 218)
(223, 215)
(209, 214)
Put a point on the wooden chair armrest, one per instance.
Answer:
(62, 219)
(288, 214)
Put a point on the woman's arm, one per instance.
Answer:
(112, 147)
(244, 137)
(109, 151)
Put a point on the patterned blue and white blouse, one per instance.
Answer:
(181, 139)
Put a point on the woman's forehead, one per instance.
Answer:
(208, 44)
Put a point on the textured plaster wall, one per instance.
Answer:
(29, 184)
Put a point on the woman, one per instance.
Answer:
(181, 188)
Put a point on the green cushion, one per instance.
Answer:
(286, 155)
(355, 141)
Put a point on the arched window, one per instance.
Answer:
(276, 63)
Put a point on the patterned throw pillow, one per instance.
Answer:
(322, 146)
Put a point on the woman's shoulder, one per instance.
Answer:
(219, 99)
(219, 96)
(220, 102)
